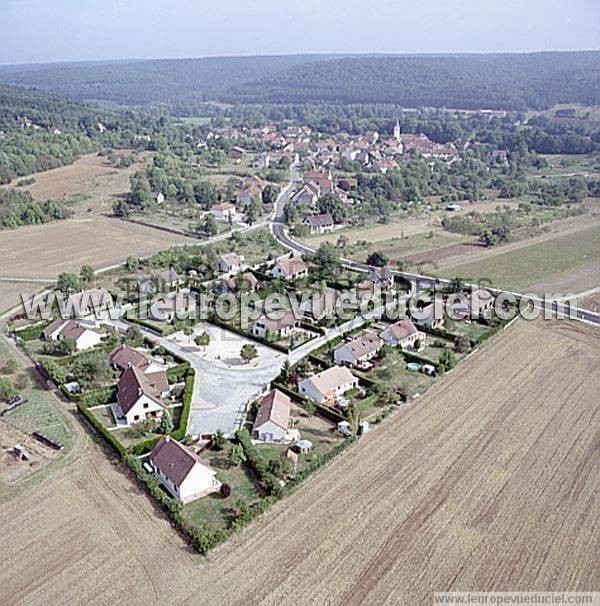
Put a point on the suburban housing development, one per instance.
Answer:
(299, 328)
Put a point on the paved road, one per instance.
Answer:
(279, 231)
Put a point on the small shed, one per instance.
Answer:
(21, 452)
(363, 428)
(344, 428)
(304, 446)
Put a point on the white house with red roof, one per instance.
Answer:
(326, 386)
(60, 330)
(290, 269)
(181, 471)
(403, 333)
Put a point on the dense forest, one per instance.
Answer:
(144, 82)
(496, 81)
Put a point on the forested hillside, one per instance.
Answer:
(144, 82)
(537, 80)
(40, 131)
(511, 81)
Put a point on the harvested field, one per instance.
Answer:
(488, 482)
(91, 175)
(43, 251)
(10, 293)
(591, 302)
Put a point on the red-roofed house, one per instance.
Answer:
(290, 269)
(403, 333)
(181, 471)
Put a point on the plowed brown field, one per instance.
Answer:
(488, 482)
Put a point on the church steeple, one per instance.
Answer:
(397, 131)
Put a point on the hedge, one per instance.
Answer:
(178, 373)
(107, 435)
(161, 330)
(269, 481)
(98, 397)
(188, 393)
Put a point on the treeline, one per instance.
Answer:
(19, 208)
(517, 81)
(505, 81)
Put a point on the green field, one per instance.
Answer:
(518, 269)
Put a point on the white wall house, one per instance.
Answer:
(181, 471)
(326, 386)
(272, 418)
(403, 333)
(290, 269)
(137, 398)
(358, 351)
(84, 338)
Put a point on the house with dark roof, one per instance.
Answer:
(272, 418)
(318, 223)
(181, 471)
(123, 357)
(138, 396)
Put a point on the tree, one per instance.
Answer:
(462, 344)
(134, 335)
(327, 258)
(237, 454)
(209, 226)
(202, 340)
(225, 490)
(243, 512)
(219, 440)
(248, 353)
(333, 205)
(166, 423)
(269, 194)
(86, 275)
(377, 259)
(7, 390)
(310, 407)
(286, 371)
(67, 283)
(447, 360)
(342, 242)
(417, 344)
(355, 413)
(188, 331)
(456, 285)
(132, 264)
(67, 346)
(121, 209)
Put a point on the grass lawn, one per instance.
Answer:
(213, 510)
(532, 264)
(320, 431)
(393, 372)
(474, 330)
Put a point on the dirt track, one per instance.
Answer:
(489, 482)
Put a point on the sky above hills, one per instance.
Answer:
(74, 30)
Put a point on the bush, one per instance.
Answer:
(225, 490)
